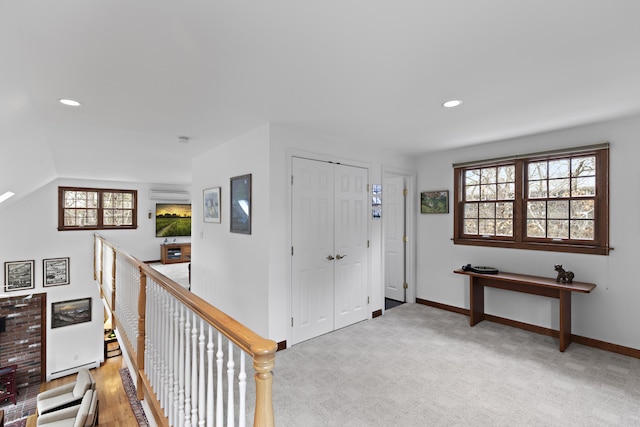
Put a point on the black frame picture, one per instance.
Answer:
(55, 271)
(240, 206)
(18, 275)
(70, 312)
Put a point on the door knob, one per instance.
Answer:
(330, 257)
(340, 256)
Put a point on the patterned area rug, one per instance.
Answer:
(130, 389)
(25, 406)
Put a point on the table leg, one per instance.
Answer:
(476, 301)
(565, 319)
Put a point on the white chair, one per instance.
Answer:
(65, 395)
(83, 415)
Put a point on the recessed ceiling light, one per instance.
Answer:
(452, 103)
(6, 196)
(69, 102)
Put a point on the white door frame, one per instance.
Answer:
(410, 221)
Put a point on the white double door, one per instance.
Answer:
(329, 277)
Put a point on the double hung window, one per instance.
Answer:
(555, 201)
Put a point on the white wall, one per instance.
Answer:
(29, 232)
(248, 276)
(610, 312)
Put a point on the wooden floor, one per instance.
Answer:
(114, 408)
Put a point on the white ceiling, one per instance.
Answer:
(367, 72)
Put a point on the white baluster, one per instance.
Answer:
(210, 367)
(171, 344)
(187, 371)
(165, 351)
(201, 378)
(219, 395)
(230, 381)
(181, 370)
(176, 361)
(242, 385)
(194, 372)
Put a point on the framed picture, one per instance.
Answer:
(211, 203)
(434, 202)
(55, 271)
(71, 312)
(376, 201)
(241, 204)
(18, 275)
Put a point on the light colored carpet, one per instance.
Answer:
(418, 366)
(178, 272)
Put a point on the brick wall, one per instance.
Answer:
(21, 343)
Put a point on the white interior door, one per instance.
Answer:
(394, 245)
(312, 296)
(329, 247)
(350, 242)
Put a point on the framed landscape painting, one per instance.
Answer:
(18, 275)
(71, 312)
(433, 202)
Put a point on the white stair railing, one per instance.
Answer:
(185, 352)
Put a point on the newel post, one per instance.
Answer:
(142, 307)
(263, 362)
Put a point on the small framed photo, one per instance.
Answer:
(241, 204)
(433, 202)
(71, 312)
(18, 275)
(55, 271)
(211, 203)
(376, 201)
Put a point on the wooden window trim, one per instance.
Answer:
(598, 246)
(100, 225)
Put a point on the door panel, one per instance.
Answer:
(312, 239)
(351, 233)
(394, 246)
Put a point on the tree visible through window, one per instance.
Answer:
(555, 201)
(94, 208)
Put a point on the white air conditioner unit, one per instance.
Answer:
(170, 195)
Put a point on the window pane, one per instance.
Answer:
(537, 189)
(559, 188)
(559, 168)
(558, 229)
(506, 191)
(487, 227)
(504, 210)
(582, 229)
(536, 209)
(472, 193)
(488, 175)
(537, 170)
(471, 226)
(583, 186)
(472, 177)
(69, 218)
(558, 209)
(487, 210)
(506, 174)
(504, 227)
(583, 166)
(471, 210)
(536, 228)
(582, 209)
(488, 192)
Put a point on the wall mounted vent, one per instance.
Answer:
(170, 195)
